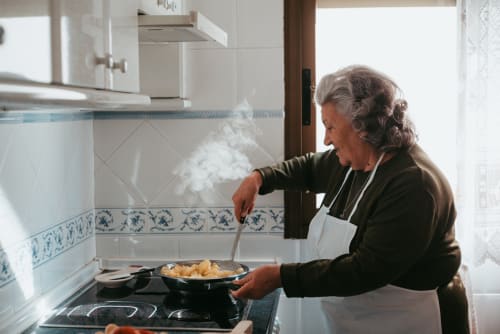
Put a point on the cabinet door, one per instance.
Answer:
(78, 52)
(123, 44)
(25, 40)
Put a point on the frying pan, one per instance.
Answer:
(202, 285)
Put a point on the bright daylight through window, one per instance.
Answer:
(416, 46)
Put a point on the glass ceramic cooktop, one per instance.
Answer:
(145, 302)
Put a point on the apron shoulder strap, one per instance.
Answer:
(370, 179)
(338, 192)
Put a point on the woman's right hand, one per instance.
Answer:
(244, 197)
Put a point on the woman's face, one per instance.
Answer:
(351, 149)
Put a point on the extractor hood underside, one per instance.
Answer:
(179, 28)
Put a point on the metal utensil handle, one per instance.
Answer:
(241, 226)
(142, 271)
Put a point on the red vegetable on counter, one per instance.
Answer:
(115, 329)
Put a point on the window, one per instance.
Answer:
(416, 46)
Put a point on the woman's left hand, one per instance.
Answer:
(258, 282)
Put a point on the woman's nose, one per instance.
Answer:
(326, 140)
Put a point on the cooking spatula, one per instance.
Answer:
(241, 226)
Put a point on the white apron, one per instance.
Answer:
(386, 310)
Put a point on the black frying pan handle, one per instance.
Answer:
(224, 284)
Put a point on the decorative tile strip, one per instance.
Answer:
(44, 246)
(68, 116)
(184, 220)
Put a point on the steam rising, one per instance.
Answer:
(221, 157)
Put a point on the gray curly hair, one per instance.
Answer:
(368, 99)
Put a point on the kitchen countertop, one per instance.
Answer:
(262, 314)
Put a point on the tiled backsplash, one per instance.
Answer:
(166, 176)
(161, 160)
(54, 223)
(46, 205)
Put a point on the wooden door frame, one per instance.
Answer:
(299, 52)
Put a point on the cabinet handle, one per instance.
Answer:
(167, 4)
(122, 65)
(1, 34)
(107, 61)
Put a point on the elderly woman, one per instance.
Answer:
(382, 243)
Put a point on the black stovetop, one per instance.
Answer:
(146, 302)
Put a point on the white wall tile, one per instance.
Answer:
(149, 246)
(202, 151)
(186, 135)
(109, 134)
(78, 171)
(98, 163)
(12, 298)
(107, 246)
(189, 138)
(66, 264)
(261, 157)
(63, 160)
(258, 246)
(260, 23)
(41, 213)
(212, 79)
(6, 133)
(227, 189)
(213, 246)
(272, 137)
(8, 299)
(44, 160)
(276, 198)
(178, 196)
(17, 181)
(112, 192)
(142, 160)
(261, 78)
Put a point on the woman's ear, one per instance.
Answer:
(363, 134)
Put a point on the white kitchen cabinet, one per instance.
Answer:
(124, 45)
(25, 51)
(78, 43)
(91, 43)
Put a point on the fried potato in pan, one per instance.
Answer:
(204, 269)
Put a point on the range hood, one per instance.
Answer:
(156, 29)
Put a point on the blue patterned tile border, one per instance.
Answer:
(184, 220)
(69, 116)
(46, 245)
